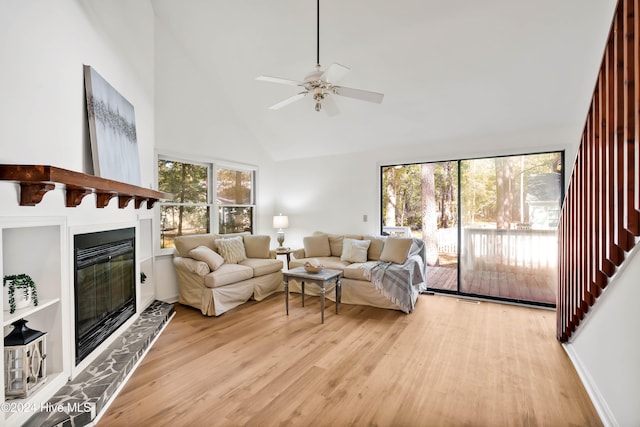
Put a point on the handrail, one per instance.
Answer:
(600, 218)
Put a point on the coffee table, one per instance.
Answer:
(322, 278)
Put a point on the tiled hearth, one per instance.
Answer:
(87, 395)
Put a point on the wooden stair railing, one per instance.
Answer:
(600, 219)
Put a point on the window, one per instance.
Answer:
(193, 209)
(234, 195)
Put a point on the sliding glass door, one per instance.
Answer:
(510, 208)
(421, 200)
(489, 224)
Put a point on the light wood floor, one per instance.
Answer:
(450, 362)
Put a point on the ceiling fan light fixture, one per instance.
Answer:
(318, 96)
(322, 83)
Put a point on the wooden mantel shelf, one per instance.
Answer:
(36, 180)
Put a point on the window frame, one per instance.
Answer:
(212, 203)
(252, 196)
(380, 172)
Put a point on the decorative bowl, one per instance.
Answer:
(313, 268)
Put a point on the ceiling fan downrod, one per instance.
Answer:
(317, 98)
(318, 34)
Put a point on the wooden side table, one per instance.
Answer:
(286, 252)
(322, 278)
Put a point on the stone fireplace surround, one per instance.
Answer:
(81, 400)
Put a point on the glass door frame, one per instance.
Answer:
(458, 290)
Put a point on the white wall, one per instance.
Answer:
(43, 120)
(606, 348)
(44, 45)
(333, 193)
(194, 121)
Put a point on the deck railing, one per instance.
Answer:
(599, 223)
(505, 250)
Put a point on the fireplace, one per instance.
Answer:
(105, 286)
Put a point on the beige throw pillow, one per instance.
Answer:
(355, 250)
(206, 254)
(316, 246)
(232, 249)
(396, 249)
(184, 244)
(375, 248)
(257, 246)
(335, 244)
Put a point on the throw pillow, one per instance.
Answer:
(316, 246)
(375, 249)
(355, 250)
(257, 246)
(232, 249)
(206, 254)
(184, 244)
(396, 249)
(335, 244)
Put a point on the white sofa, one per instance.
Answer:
(216, 273)
(378, 271)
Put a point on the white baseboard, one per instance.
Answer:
(606, 416)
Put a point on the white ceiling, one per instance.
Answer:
(448, 68)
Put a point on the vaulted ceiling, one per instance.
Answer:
(448, 68)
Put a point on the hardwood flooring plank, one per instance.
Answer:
(450, 362)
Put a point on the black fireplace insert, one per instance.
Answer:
(105, 286)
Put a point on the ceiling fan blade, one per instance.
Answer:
(335, 73)
(288, 101)
(279, 80)
(363, 95)
(329, 106)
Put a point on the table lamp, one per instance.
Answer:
(280, 222)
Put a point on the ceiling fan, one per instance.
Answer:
(322, 84)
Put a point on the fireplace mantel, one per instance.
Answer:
(36, 180)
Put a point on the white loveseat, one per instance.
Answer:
(379, 271)
(219, 272)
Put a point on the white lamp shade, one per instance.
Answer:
(280, 221)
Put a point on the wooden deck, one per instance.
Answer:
(517, 283)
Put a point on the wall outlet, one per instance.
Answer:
(364, 218)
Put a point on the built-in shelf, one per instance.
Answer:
(21, 313)
(36, 180)
(38, 246)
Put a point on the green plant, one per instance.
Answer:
(20, 281)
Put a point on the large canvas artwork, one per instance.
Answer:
(112, 130)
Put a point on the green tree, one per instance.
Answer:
(430, 213)
(389, 199)
(189, 184)
(446, 190)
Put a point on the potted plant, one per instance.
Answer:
(26, 288)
